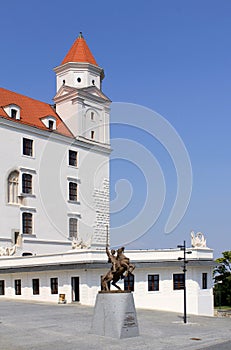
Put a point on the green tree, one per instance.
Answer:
(222, 278)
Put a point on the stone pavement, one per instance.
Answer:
(43, 326)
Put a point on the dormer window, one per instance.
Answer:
(13, 111)
(49, 122)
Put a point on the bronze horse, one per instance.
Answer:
(117, 271)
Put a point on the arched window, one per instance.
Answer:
(13, 187)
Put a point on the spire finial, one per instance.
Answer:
(80, 35)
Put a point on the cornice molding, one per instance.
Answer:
(79, 142)
(78, 65)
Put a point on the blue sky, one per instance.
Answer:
(172, 57)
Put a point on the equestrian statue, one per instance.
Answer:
(121, 268)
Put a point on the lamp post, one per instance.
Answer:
(219, 290)
(183, 247)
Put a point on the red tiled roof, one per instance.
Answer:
(31, 111)
(80, 52)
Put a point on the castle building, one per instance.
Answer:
(55, 161)
(54, 202)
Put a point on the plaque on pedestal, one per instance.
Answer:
(115, 315)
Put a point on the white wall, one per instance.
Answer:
(89, 286)
(70, 72)
(75, 109)
(49, 202)
(199, 301)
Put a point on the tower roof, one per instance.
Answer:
(80, 52)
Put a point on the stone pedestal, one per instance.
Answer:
(115, 315)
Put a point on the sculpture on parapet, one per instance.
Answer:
(6, 251)
(78, 243)
(198, 240)
(121, 267)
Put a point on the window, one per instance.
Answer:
(92, 135)
(49, 121)
(178, 281)
(54, 285)
(204, 280)
(72, 158)
(27, 223)
(129, 282)
(51, 124)
(27, 147)
(72, 191)
(73, 223)
(153, 283)
(17, 287)
(13, 187)
(79, 80)
(27, 183)
(2, 287)
(92, 115)
(13, 113)
(35, 286)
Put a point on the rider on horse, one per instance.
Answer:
(120, 264)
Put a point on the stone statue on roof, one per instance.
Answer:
(198, 240)
(6, 251)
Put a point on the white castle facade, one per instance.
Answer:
(54, 201)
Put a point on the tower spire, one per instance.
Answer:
(80, 52)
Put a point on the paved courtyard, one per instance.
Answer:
(26, 325)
